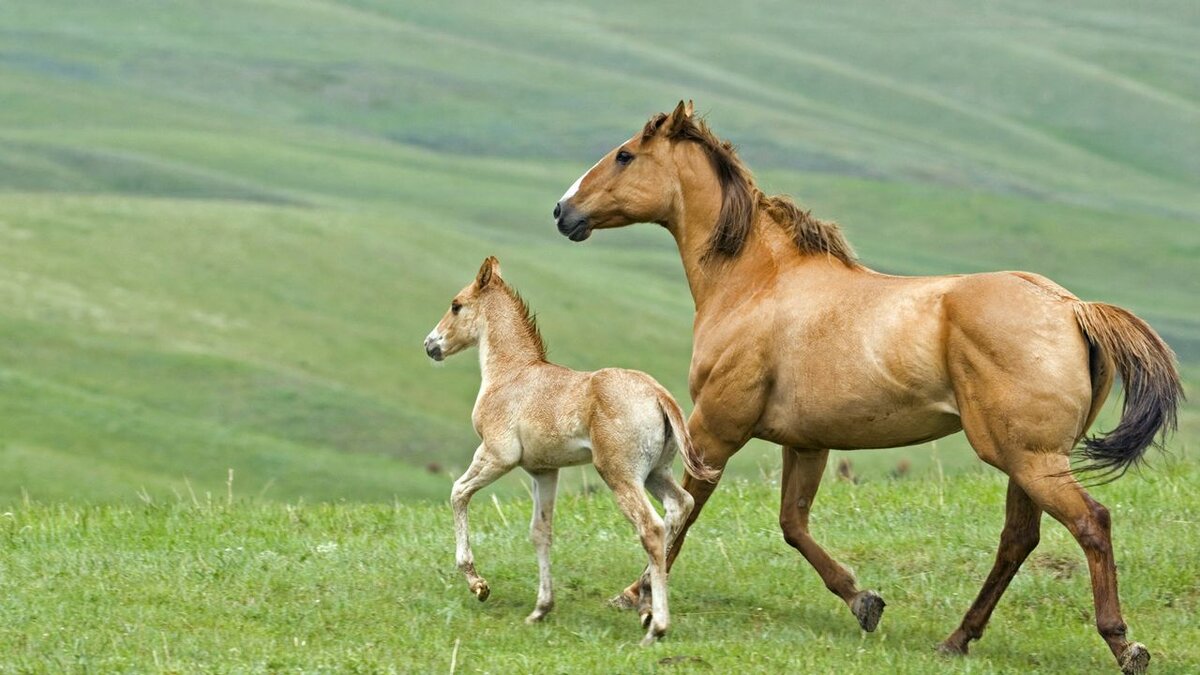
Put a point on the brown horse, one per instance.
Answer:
(798, 343)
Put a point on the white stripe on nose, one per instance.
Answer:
(575, 186)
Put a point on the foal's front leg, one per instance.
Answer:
(484, 470)
(545, 487)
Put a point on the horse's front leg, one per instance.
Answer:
(802, 471)
(484, 470)
(545, 488)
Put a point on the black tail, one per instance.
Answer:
(1151, 381)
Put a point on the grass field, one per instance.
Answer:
(219, 585)
(226, 227)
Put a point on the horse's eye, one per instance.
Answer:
(624, 157)
(455, 307)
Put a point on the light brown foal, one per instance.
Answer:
(798, 343)
(541, 417)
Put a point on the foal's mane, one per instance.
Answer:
(528, 320)
(741, 200)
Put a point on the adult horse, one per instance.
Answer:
(797, 343)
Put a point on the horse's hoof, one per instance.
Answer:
(1135, 659)
(536, 616)
(481, 590)
(623, 601)
(949, 648)
(868, 609)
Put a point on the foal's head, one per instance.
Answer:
(639, 181)
(462, 324)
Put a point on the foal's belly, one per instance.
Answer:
(541, 454)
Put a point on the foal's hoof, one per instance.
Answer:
(1135, 659)
(623, 600)
(646, 618)
(481, 590)
(868, 609)
(652, 637)
(537, 615)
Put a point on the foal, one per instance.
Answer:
(541, 417)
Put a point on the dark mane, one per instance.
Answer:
(528, 320)
(741, 199)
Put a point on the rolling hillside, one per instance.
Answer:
(225, 228)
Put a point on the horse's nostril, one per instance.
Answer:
(557, 210)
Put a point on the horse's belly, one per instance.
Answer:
(860, 426)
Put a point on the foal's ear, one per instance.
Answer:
(678, 118)
(489, 270)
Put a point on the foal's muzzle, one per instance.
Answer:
(433, 349)
(571, 222)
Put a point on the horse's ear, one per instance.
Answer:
(677, 119)
(690, 108)
(489, 270)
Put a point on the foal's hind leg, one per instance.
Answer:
(631, 499)
(677, 505)
(1022, 522)
(716, 450)
(1047, 480)
(545, 487)
(802, 472)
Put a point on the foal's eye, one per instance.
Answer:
(455, 307)
(624, 157)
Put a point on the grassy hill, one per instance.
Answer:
(244, 585)
(225, 228)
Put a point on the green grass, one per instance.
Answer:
(205, 583)
(224, 230)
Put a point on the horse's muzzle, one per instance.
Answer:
(571, 223)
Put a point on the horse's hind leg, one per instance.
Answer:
(802, 472)
(1047, 480)
(1022, 522)
(545, 487)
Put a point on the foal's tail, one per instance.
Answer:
(675, 426)
(1150, 379)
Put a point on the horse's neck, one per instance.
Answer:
(766, 252)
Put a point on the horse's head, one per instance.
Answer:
(636, 182)
(461, 325)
